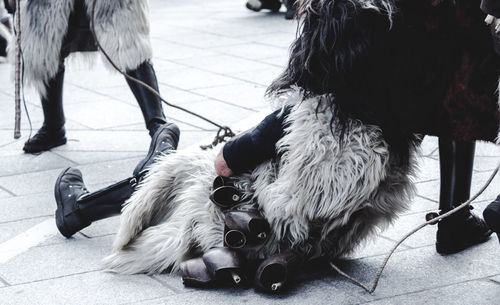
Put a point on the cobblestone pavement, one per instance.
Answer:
(214, 57)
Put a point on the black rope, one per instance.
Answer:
(224, 132)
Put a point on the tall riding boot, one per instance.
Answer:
(77, 208)
(150, 104)
(52, 132)
(463, 229)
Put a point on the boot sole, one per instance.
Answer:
(31, 150)
(445, 248)
(61, 225)
(140, 167)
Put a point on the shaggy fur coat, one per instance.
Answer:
(320, 197)
(408, 66)
(122, 28)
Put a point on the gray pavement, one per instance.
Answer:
(217, 58)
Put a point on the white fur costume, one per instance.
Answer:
(319, 195)
(122, 27)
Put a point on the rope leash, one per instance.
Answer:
(223, 134)
(429, 222)
(17, 94)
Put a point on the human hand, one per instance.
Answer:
(221, 166)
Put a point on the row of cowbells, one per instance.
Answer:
(245, 231)
(225, 265)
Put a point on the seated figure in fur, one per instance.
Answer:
(334, 162)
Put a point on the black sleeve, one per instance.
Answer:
(491, 7)
(249, 150)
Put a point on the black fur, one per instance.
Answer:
(392, 70)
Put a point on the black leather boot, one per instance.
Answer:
(492, 216)
(52, 133)
(290, 9)
(77, 208)
(165, 139)
(149, 103)
(463, 229)
(257, 5)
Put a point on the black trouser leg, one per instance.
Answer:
(150, 104)
(462, 229)
(52, 102)
(456, 160)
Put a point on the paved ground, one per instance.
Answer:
(214, 57)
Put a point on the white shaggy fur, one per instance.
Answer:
(122, 27)
(320, 196)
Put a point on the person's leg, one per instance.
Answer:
(77, 208)
(462, 229)
(291, 9)
(149, 103)
(492, 216)
(52, 132)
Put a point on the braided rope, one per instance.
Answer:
(224, 132)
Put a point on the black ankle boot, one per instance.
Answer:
(257, 5)
(462, 229)
(52, 133)
(77, 208)
(164, 140)
(492, 216)
(45, 139)
(149, 103)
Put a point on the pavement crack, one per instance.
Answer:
(2, 280)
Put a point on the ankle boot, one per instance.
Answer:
(165, 140)
(492, 216)
(257, 5)
(463, 229)
(149, 103)
(77, 208)
(52, 132)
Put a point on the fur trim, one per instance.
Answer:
(122, 27)
(320, 197)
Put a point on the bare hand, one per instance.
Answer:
(221, 166)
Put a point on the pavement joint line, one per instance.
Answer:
(25, 219)
(485, 278)
(6, 190)
(427, 198)
(85, 235)
(52, 278)
(46, 229)
(61, 168)
(65, 158)
(426, 181)
(491, 279)
(175, 290)
(213, 98)
(2, 280)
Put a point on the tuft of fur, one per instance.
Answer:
(320, 197)
(122, 27)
